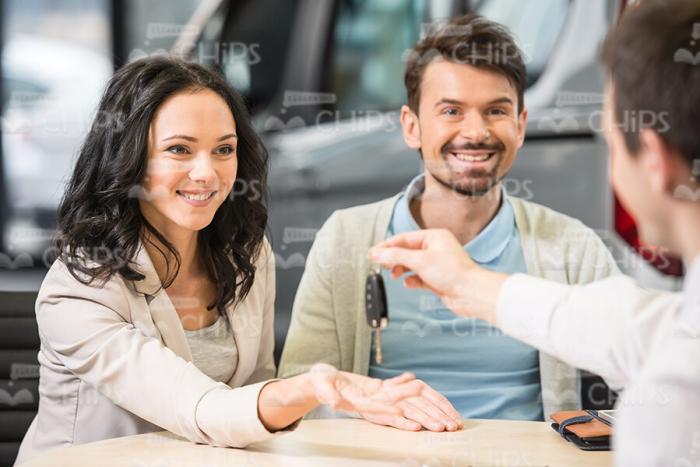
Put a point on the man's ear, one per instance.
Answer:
(522, 126)
(663, 166)
(410, 127)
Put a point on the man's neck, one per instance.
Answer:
(686, 227)
(440, 207)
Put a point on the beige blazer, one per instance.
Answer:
(116, 362)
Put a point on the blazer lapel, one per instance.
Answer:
(160, 307)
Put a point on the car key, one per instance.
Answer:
(377, 312)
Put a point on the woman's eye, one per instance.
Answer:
(178, 149)
(226, 150)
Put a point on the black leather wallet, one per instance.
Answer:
(583, 429)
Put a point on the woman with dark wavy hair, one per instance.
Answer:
(158, 312)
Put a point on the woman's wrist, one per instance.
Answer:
(308, 390)
(296, 392)
(282, 402)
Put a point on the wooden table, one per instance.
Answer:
(346, 442)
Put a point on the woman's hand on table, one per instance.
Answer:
(282, 402)
(428, 409)
(341, 390)
(402, 402)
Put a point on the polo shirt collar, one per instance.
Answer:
(487, 246)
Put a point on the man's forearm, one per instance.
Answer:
(608, 327)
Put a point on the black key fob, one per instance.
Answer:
(375, 301)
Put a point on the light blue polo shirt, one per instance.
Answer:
(483, 373)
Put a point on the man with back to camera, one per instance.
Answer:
(465, 115)
(653, 65)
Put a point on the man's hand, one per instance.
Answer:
(439, 263)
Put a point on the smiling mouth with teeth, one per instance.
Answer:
(474, 158)
(196, 197)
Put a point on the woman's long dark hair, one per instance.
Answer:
(100, 225)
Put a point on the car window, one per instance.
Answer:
(152, 27)
(369, 45)
(18, 93)
(371, 38)
(254, 52)
(535, 29)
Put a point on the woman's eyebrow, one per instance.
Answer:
(194, 140)
(230, 135)
(188, 138)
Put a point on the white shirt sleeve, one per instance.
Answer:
(608, 327)
(626, 334)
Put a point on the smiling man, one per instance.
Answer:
(466, 118)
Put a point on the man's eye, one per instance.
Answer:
(451, 111)
(178, 149)
(497, 111)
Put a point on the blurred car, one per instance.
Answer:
(325, 85)
(47, 108)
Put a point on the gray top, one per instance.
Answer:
(214, 350)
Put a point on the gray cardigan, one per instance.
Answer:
(328, 319)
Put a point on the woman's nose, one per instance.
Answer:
(202, 170)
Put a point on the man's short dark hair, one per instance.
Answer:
(471, 40)
(653, 59)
